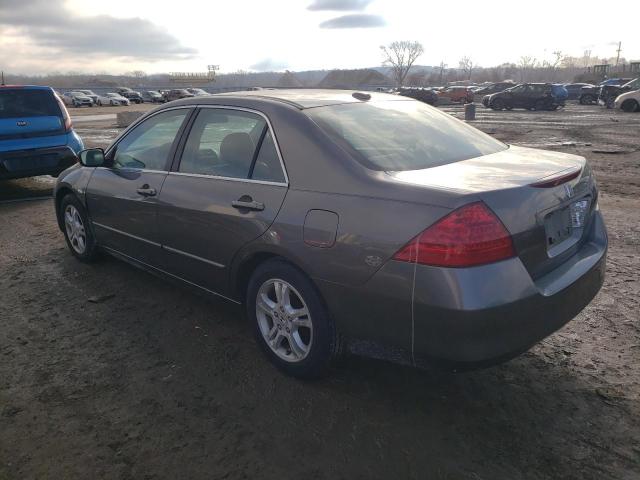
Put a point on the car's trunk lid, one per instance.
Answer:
(28, 127)
(537, 194)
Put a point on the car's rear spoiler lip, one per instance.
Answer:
(557, 179)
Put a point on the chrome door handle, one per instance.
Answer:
(145, 191)
(247, 205)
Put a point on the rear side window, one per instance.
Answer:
(15, 103)
(233, 144)
(402, 135)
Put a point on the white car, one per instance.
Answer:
(629, 102)
(112, 99)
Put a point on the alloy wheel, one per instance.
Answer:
(75, 229)
(284, 320)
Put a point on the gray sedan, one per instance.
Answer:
(347, 221)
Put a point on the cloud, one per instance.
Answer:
(48, 23)
(339, 5)
(268, 65)
(356, 20)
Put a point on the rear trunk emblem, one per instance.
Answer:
(568, 189)
(21, 123)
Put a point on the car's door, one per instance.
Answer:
(122, 196)
(224, 192)
(520, 95)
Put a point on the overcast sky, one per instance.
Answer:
(115, 36)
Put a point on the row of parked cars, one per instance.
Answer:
(622, 93)
(127, 96)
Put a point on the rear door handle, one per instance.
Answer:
(145, 191)
(247, 204)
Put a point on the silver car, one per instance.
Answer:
(347, 221)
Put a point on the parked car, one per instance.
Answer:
(493, 88)
(477, 250)
(90, 94)
(575, 90)
(36, 134)
(426, 95)
(77, 99)
(456, 94)
(531, 96)
(609, 93)
(629, 101)
(133, 97)
(589, 95)
(113, 99)
(177, 94)
(151, 96)
(198, 92)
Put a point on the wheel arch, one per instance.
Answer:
(61, 192)
(247, 262)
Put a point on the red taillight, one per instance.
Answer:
(65, 115)
(471, 235)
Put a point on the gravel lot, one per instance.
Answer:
(108, 372)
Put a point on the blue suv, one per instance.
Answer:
(36, 135)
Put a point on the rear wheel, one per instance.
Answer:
(291, 322)
(541, 105)
(497, 104)
(587, 99)
(630, 106)
(77, 232)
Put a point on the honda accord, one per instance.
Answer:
(347, 221)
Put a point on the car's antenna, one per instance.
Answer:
(2, 81)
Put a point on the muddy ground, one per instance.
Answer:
(108, 372)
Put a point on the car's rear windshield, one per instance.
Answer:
(17, 102)
(402, 135)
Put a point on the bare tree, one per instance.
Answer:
(526, 63)
(401, 56)
(466, 65)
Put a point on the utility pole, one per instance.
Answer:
(2, 81)
(619, 50)
(442, 67)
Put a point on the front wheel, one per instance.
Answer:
(76, 229)
(291, 322)
(630, 106)
(497, 104)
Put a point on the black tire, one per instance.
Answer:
(541, 105)
(325, 347)
(89, 253)
(509, 107)
(630, 106)
(497, 104)
(587, 99)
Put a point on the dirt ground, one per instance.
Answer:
(108, 372)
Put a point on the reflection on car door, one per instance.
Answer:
(122, 198)
(225, 192)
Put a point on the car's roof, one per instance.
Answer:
(27, 87)
(304, 98)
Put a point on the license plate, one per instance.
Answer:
(560, 225)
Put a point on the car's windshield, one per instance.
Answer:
(16, 103)
(402, 135)
(633, 84)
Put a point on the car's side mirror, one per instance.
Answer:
(92, 157)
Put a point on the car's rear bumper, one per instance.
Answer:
(36, 161)
(484, 315)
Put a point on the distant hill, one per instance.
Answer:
(361, 78)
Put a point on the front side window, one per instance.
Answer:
(233, 144)
(148, 145)
(402, 135)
